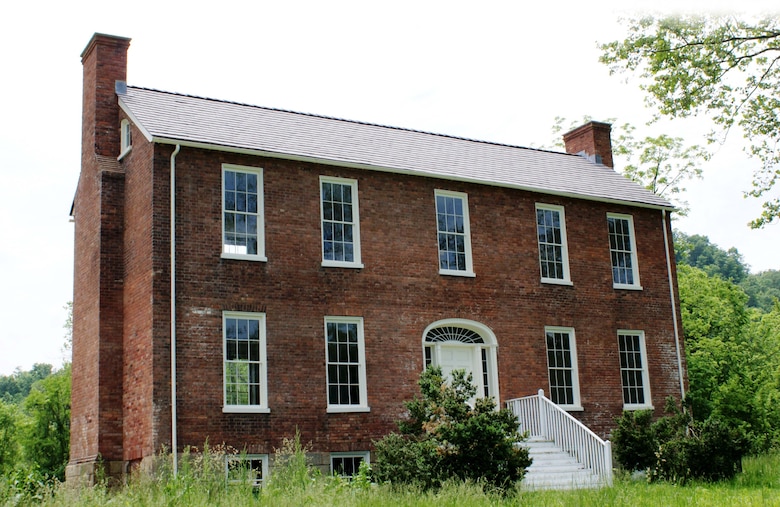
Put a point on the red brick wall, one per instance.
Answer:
(398, 293)
(98, 273)
(138, 373)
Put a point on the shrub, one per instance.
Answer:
(446, 437)
(635, 443)
(676, 448)
(709, 450)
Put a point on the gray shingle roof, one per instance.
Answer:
(168, 117)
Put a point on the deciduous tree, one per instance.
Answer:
(720, 65)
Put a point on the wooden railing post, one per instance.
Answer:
(543, 429)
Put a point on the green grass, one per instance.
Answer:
(202, 484)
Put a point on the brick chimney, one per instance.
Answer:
(98, 271)
(104, 61)
(593, 140)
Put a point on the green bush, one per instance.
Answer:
(445, 437)
(634, 440)
(709, 450)
(678, 449)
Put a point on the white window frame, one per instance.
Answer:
(262, 407)
(633, 254)
(648, 404)
(355, 223)
(576, 404)
(566, 277)
(125, 138)
(260, 215)
(469, 267)
(257, 483)
(489, 347)
(364, 455)
(362, 406)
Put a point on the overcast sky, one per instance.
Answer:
(495, 71)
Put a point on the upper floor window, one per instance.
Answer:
(633, 370)
(553, 252)
(242, 213)
(125, 138)
(562, 367)
(245, 370)
(454, 235)
(345, 364)
(622, 248)
(340, 222)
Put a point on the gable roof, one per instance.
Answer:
(194, 121)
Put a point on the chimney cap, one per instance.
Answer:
(589, 125)
(105, 38)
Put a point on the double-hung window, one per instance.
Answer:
(562, 367)
(622, 249)
(242, 213)
(553, 252)
(453, 234)
(633, 370)
(245, 371)
(345, 364)
(340, 222)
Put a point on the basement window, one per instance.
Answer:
(249, 468)
(347, 464)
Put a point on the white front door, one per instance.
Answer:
(462, 357)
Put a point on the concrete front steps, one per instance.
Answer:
(553, 468)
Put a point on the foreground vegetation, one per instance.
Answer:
(204, 485)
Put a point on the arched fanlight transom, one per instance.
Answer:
(453, 334)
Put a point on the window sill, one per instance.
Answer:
(638, 407)
(555, 281)
(335, 409)
(125, 152)
(623, 286)
(449, 272)
(572, 408)
(240, 257)
(338, 264)
(245, 409)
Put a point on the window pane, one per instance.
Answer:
(338, 222)
(621, 251)
(243, 367)
(632, 368)
(241, 212)
(561, 367)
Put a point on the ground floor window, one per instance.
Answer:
(633, 370)
(562, 366)
(345, 364)
(244, 365)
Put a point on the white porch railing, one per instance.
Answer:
(539, 416)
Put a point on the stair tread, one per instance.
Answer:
(553, 468)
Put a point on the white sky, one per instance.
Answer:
(491, 70)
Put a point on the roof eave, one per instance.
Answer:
(399, 170)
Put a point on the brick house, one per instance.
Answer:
(320, 264)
